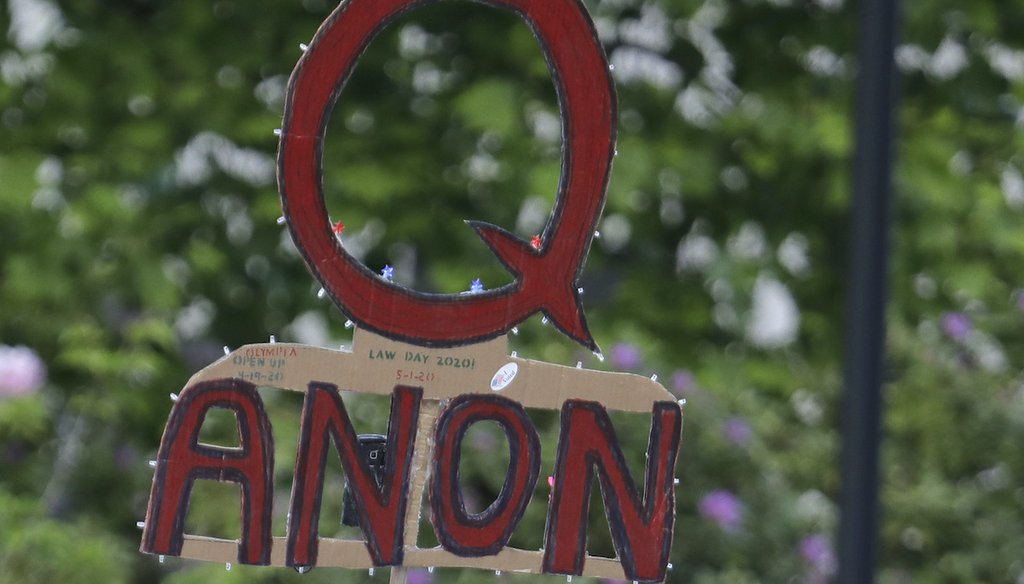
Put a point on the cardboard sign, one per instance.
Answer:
(433, 404)
(443, 360)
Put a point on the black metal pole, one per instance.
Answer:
(869, 241)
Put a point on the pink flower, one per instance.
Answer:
(722, 508)
(21, 371)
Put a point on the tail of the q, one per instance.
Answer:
(544, 283)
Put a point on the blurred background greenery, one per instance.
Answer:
(139, 235)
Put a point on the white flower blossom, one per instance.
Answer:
(774, 317)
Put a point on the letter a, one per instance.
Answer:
(641, 528)
(182, 460)
(381, 509)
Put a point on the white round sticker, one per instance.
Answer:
(504, 376)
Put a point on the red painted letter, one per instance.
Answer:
(182, 460)
(641, 529)
(485, 533)
(381, 509)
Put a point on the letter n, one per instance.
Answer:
(641, 527)
(182, 460)
(381, 509)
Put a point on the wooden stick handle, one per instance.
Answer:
(429, 410)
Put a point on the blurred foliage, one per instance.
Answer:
(138, 236)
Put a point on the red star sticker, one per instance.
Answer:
(535, 242)
(339, 227)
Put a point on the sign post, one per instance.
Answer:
(865, 340)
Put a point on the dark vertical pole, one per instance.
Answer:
(865, 342)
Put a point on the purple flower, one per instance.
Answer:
(956, 325)
(683, 382)
(626, 356)
(388, 273)
(816, 550)
(21, 371)
(420, 577)
(737, 431)
(722, 508)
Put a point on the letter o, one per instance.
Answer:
(486, 533)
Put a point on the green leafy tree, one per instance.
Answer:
(139, 235)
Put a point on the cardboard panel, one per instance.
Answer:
(587, 446)
(375, 365)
